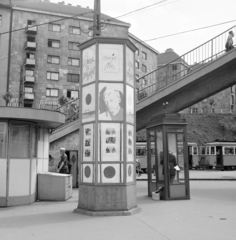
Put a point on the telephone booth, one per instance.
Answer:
(168, 170)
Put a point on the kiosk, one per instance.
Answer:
(24, 151)
(168, 171)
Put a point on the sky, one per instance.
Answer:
(168, 17)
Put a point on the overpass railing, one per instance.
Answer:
(180, 67)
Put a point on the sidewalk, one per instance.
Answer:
(203, 175)
(209, 215)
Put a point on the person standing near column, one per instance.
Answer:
(63, 164)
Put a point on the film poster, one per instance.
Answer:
(88, 103)
(88, 143)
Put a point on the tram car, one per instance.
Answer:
(141, 155)
(217, 155)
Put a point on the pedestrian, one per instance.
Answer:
(229, 43)
(63, 166)
(138, 167)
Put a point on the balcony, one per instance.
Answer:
(28, 96)
(31, 29)
(30, 62)
(29, 79)
(30, 46)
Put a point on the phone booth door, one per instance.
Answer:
(175, 167)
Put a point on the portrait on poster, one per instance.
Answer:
(129, 67)
(88, 103)
(110, 141)
(88, 65)
(111, 107)
(111, 62)
(130, 104)
(130, 142)
(88, 142)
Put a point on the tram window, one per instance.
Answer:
(203, 150)
(152, 151)
(190, 151)
(141, 152)
(229, 150)
(208, 150)
(194, 150)
(213, 150)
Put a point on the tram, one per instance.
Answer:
(218, 155)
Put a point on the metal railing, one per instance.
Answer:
(184, 65)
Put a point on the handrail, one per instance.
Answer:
(188, 62)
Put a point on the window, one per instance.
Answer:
(53, 76)
(53, 43)
(53, 59)
(30, 39)
(0, 20)
(144, 68)
(74, 30)
(229, 150)
(3, 142)
(30, 55)
(31, 23)
(73, 46)
(54, 27)
(72, 94)
(194, 110)
(136, 64)
(72, 77)
(174, 67)
(28, 90)
(29, 73)
(20, 140)
(137, 52)
(51, 92)
(144, 55)
(73, 62)
(195, 151)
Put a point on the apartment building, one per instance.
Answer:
(43, 60)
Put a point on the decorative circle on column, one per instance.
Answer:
(109, 172)
(129, 171)
(88, 99)
(87, 171)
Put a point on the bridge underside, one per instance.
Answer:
(195, 87)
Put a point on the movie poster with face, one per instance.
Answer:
(88, 103)
(88, 143)
(111, 62)
(88, 65)
(111, 106)
(110, 141)
(130, 104)
(130, 143)
(129, 67)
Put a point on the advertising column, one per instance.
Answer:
(107, 131)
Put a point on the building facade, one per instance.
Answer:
(43, 60)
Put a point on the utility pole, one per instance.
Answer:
(97, 18)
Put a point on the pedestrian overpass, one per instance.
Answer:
(201, 73)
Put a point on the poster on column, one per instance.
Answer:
(88, 67)
(88, 103)
(130, 104)
(110, 142)
(111, 106)
(88, 143)
(111, 62)
(130, 143)
(129, 67)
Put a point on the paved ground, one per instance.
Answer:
(205, 175)
(209, 215)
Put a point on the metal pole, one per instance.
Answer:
(97, 18)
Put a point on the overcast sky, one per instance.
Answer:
(169, 17)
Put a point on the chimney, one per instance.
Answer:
(78, 6)
(169, 50)
(61, 2)
(69, 4)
